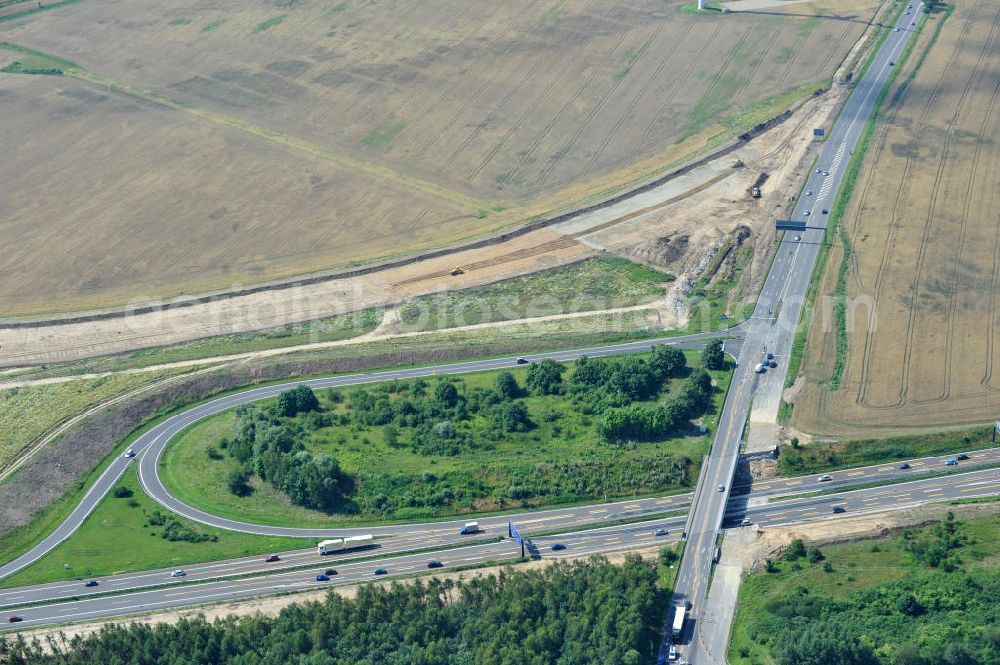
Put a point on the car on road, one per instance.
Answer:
(522, 361)
(672, 654)
(722, 488)
(772, 363)
(807, 213)
(746, 522)
(769, 355)
(178, 573)
(435, 564)
(963, 456)
(381, 571)
(951, 462)
(809, 192)
(826, 173)
(14, 618)
(904, 466)
(558, 546)
(271, 558)
(91, 583)
(798, 238)
(892, 64)
(825, 477)
(839, 509)
(819, 170)
(896, 30)
(130, 452)
(760, 368)
(321, 577)
(825, 211)
(329, 571)
(660, 532)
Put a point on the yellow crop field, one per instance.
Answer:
(924, 233)
(191, 145)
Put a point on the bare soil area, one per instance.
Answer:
(923, 275)
(233, 142)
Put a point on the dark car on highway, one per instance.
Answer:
(434, 564)
(963, 456)
(322, 578)
(15, 619)
(839, 509)
(904, 466)
(272, 558)
(558, 546)
(381, 571)
(330, 571)
(91, 583)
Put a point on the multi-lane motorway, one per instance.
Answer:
(214, 582)
(771, 330)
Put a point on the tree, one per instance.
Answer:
(814, 555)
(297, 400)
(545, 378)
(957, 654)
(446, 394)
(713, 356)
(237, 482)
(907, 653)
(506, 386)
(666, 361)
(511, 417)
(796, 550)
(821, 644)
(908, 605)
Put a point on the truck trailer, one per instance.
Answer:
(341, 544)
(680, 612)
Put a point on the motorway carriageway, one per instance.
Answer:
(66, 604)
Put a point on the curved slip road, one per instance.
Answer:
(150, 445)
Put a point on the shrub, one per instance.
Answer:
(122, 492)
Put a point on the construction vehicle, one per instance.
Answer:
(457, 271)
(755, 192)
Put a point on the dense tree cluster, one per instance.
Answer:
(270, 447)
(645, 422)
(713, 356)
(929, 618)
(582, 613)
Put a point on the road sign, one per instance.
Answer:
(819, 131)
(512, 530)
(789, 225)
(996, 429)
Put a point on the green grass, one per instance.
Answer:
(589, 285)
(856, 567)
(380, 137)
(179, 21)
(270, 23)
(816, 457)
(564, 453)
(336, 328)
(29, 412)
(117, 538)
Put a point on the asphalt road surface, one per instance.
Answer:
(598, 540)
(149, 447)
(771, 329)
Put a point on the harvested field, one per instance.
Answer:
(924, 238)
(205, 145)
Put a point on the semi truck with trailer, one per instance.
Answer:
(680, 613)
(348, 543)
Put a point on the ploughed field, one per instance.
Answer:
(199, 145)
(925, 238)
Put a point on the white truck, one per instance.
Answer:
(341, 544)
(680, 612)
(470, 527)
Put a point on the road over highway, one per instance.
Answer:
(771, 329)
(204, 586)
(149, 447)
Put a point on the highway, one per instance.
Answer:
(771, 329)
(209, 589)
(149, 447)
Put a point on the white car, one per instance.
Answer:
(722, 488)
(178, 573)
(809, 192)
(819, 170)
(825, 477)
(130, 453)
(896, 30)
(807, 213)
(826, 173)
(746, 522)
(798, 238)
